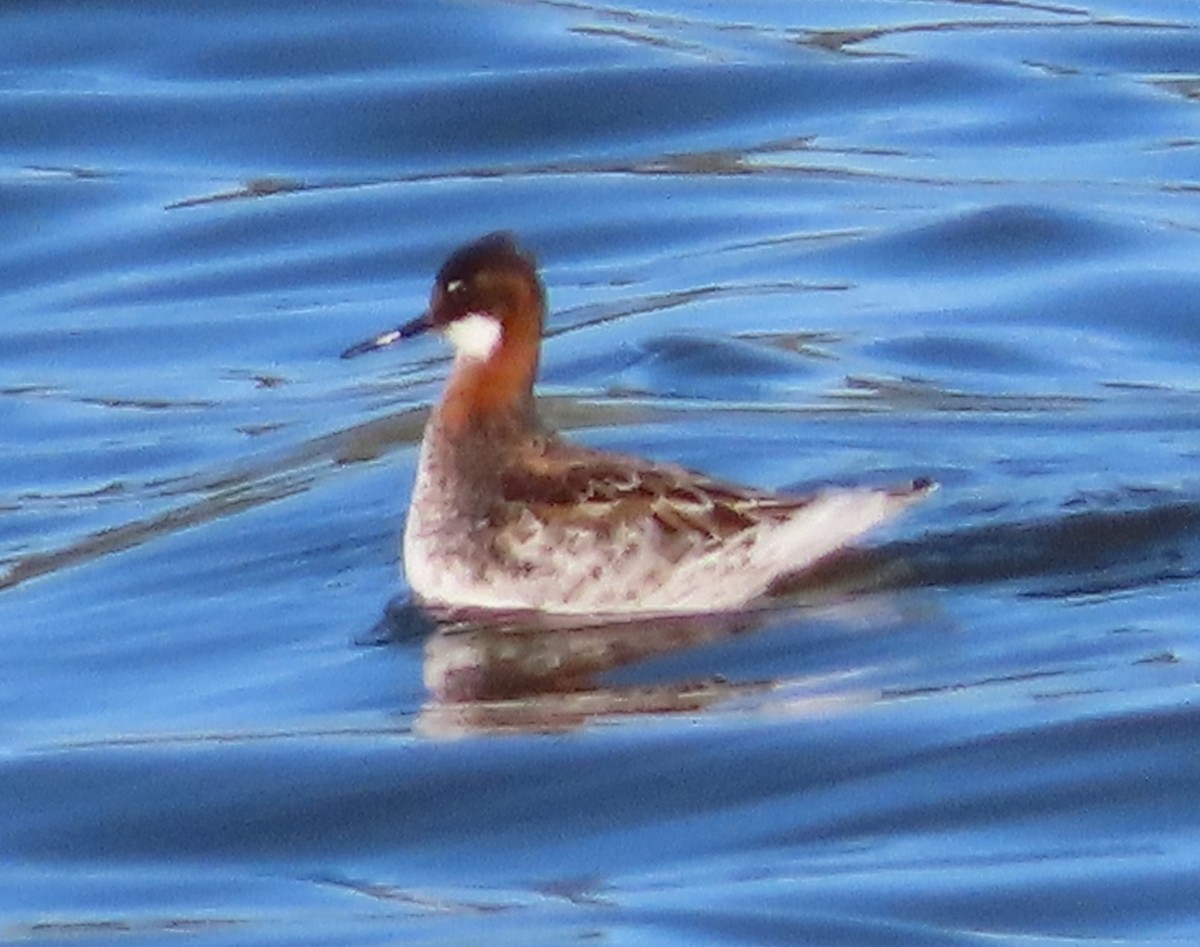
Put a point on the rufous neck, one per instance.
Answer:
(491, 394)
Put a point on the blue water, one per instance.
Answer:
(787, 243)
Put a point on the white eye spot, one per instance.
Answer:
(454, 286)
(476, 335)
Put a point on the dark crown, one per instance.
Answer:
(495, 251)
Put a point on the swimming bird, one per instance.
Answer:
(506, 514)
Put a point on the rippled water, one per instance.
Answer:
(788, 243)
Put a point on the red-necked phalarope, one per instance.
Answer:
(507, 515)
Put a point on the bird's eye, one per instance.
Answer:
(455, 286)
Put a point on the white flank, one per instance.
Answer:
(574, 570)
(475, 336)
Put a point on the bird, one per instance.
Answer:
(508, 515)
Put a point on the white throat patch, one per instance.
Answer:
(475, 336)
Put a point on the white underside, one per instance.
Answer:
(570, 571)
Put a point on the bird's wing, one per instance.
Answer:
(575, 486)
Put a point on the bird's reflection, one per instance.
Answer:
(503, 672)
(497, 672)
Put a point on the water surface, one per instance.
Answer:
(849, 242)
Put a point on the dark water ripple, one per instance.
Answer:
(791, 244)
